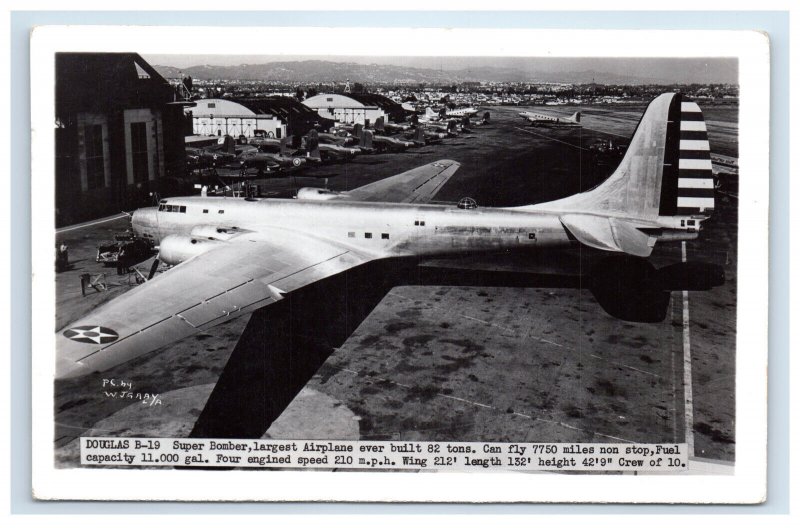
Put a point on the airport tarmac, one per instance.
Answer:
(452, 363)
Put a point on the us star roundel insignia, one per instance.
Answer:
(96, 335)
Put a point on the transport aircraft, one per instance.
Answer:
(461, 112)
(235, 256)
(445, 113)
(539, 119)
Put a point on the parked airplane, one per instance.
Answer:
(425, 134)
(384, 127)
(430, 116)
(223, 152)
(315, 148)
(261, 159)
(461, 112)
(234, 256)
(343, 139)
(538, 119)
(417, 136)
(368, 139)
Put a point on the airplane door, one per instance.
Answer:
(422, 231)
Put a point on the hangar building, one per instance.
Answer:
(345, 108)
(119, 133)
(278, 116)
(219, 117)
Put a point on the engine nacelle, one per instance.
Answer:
(175, 249)
(316, 194)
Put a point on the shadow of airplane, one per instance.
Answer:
(284, 344)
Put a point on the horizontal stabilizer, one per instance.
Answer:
(608, 234)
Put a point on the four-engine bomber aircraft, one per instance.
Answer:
(538, 119)
(234, 256)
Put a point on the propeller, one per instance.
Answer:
(154, 267)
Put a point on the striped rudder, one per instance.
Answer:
(687, 184)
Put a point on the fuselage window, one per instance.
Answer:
(367, 235)
(422, 222)
(351, 234)
(221, 211)
(205, 210)
(416, 222)
(385, 236)
(183, 208)
(531, 236)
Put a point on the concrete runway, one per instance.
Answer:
(466, 363)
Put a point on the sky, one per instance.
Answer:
(679, 70)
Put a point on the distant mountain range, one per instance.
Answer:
(311, 71)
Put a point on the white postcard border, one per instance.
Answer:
(748, 484)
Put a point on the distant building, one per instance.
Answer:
(345, 108)
(119, 134)
(219, 117)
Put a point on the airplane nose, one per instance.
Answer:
(144, 221)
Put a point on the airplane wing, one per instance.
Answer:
(239, 276)
(418, 185)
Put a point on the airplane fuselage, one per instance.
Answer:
(461, 112)
(384, 229)
(544, 119)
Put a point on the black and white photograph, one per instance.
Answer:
(397, 250)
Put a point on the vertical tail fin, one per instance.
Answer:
(665, 176)
(687, 183)
(228, 144)
(576, 117)
(312, 145)
(365, 139)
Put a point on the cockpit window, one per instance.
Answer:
(172, 208)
